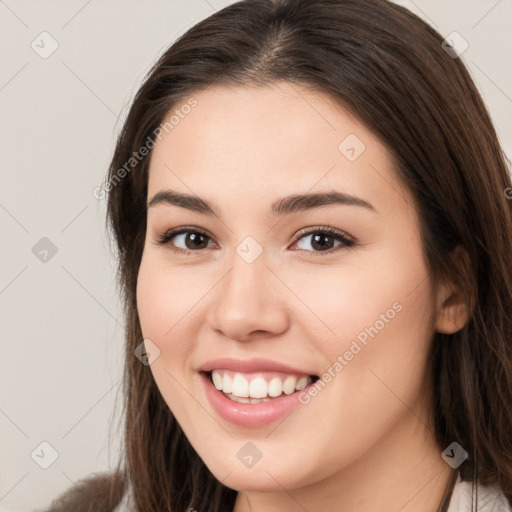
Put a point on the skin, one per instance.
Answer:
(363, 443)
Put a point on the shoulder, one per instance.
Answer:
(97, 493)
(489, 498)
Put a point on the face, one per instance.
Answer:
(313, 316)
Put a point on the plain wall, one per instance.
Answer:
(61, 321)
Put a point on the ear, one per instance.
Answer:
(451, 301)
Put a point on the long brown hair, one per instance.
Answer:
(388, 68)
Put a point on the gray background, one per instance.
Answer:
(61, 322)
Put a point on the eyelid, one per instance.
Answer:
(347, 240)
(166, 237)
(323, 229)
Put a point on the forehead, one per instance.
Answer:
(261, 142)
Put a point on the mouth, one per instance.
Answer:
(258, 387)
(254, 393)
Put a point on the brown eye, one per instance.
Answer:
(323, 240)
(191, 240)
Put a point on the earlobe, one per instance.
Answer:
(452, 315)
(452, 306)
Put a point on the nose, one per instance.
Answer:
(250, 301)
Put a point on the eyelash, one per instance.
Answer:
(338, 235)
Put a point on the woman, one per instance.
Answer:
(310, 207)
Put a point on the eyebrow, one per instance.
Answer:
(280, 207)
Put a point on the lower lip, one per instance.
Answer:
(250, 415)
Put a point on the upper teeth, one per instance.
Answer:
(242, 385)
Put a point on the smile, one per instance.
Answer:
(253, 393)
(260, 387)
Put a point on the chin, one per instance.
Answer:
(265, 475)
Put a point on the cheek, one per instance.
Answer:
(383, 291)
(165, 297)
(375, 341)
(152, 303)
(164, 305)
(375, 362)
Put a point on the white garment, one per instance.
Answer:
(127, 498)
(490, 499)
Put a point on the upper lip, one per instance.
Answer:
(251, 365)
